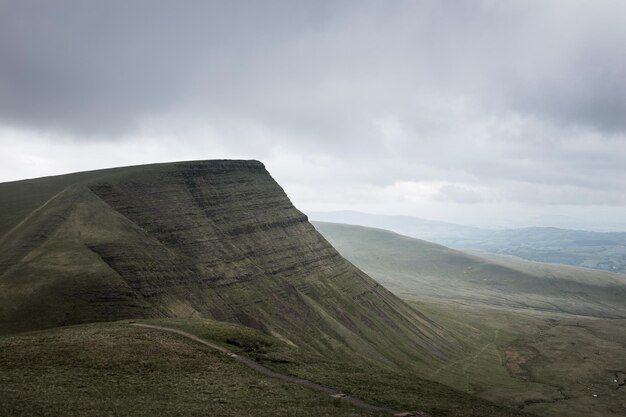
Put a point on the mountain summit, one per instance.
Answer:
(216, 239)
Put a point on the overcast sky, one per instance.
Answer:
(480, 112)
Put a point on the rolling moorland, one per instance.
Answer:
(597, 250)
(214, 248)
(547, 338)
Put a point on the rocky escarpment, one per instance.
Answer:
(216, 239)
(210, 225)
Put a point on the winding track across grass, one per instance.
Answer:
(469, 360)
(288, 378)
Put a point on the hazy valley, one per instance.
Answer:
(597, 250)
(545, 337)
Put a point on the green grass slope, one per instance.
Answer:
(97, 370)
(412, 267)
(549, 364)
(118, 369)
(21, 198)
(546, 339)
(214, 239)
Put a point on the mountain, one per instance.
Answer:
(416, 269)
(209, 239)
(598, 250)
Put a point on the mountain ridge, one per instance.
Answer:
(217, 239)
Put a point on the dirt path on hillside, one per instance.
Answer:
(29, 216)
(469, 360)
(288, 378)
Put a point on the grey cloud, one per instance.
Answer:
(459, 194)
(90, 66)
(95, 67)
(522, 97)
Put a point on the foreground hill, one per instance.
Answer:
(124, 370)
(215, 239)
(415, 267)
(116, 369)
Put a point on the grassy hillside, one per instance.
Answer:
(412, 267)
(21, 198)
(96, 370)
(548, 364)
(214, 239)
(118, 369)
(535, 336)
(531, 335)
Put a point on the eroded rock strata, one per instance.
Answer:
(217, 239)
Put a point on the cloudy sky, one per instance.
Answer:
(481, 112)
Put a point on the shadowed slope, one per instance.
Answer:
(216, 239)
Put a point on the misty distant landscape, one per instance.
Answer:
(598, 250)
(333, 208)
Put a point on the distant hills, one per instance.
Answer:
(420, 270)
(214, 239)
(598, 250)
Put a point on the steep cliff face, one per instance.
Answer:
(216, 239)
